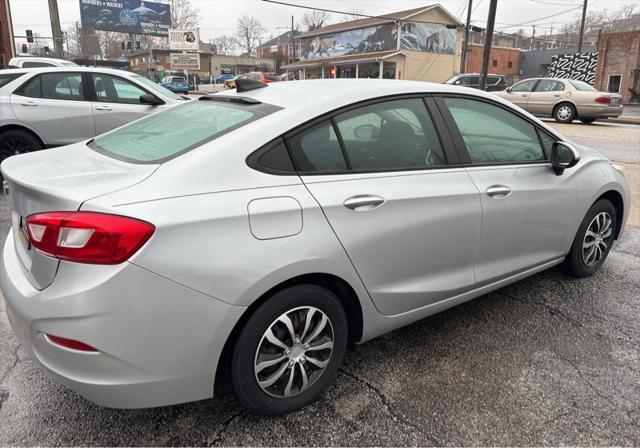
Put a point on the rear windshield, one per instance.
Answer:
(172, 132)
(581, 85)
(8, 77)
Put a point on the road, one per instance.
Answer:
(550, 360)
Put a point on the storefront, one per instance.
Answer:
(419, 44)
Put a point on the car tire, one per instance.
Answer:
(593, 240)
(588, 120)
(17, 141)
(564, 113)
(298, 379)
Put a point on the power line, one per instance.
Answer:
(541, 18)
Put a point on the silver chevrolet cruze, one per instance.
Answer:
(259, 232)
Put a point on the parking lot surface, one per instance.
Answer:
(549, 360)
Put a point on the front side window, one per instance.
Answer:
(113, 89)
(493, 134)
(156, 87)
(391, 135)
(54, 86)
(524, 86)
(549, 85)
(318, 150)
(174, 131)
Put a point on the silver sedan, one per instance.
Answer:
(253, 235)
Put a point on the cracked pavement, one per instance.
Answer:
(550, 360)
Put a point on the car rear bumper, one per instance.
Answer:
(158, 342)
(600, 111)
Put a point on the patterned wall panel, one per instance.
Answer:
(580, 66)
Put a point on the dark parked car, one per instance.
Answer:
(494, 82)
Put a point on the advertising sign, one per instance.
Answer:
(184, 61)
(184, 40)
(273, 49)
(126, 16)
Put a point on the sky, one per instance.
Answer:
(219, 16)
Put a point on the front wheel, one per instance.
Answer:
(594, 240)
(564, 113)
(289, 351)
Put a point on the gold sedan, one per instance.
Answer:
(563, 99)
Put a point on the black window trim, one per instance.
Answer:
(461, 147)
(442, 134)
(18, 90)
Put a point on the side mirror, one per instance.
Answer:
(508, 89)
(366, 132)
(563, 156)
(150, 99)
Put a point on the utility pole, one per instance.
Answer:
(488, 40)
(293, 44)
(533, 37)
(584, 16)
(465, 44)
(56, 31)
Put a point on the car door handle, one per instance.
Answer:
(557, 94)
(498, 191)
(29, 103)
(103, 107)
(363, 202)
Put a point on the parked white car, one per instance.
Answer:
(46, 107)
(38, 62)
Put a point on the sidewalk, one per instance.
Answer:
(630, 115)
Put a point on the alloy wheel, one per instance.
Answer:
(12, 146)
(294, 352)
(595, 243)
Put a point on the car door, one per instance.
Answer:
(407, 216)
(117, 102)
(519, 93)
(545, 96)
(529, 212)
(54, 105)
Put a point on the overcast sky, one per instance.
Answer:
(219, 16)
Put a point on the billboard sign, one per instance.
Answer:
(184, 40)
(429, 37)
(126, 16)
(184, 61)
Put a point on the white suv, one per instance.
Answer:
(45, 107)
(34, 62)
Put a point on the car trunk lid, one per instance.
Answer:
(59, 179)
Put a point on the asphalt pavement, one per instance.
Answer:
(550, 360)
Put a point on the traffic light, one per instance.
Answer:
(138, 45)
(122, 45)
(47, 51)
(332, 72)
(30, 36)
(24, 48)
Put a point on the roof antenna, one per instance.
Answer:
(244, 85)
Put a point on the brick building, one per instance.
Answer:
(618, 69)
(280, 48)
(502, 61)
(7, 49)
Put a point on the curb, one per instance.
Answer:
(623, 120)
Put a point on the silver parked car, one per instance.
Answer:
(259, 232)
(563, 99)
(35, 62)
(45, 107)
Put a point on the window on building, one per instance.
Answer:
(494, 63)
(510, 64)
(613, 85)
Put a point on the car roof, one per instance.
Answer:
(329, 94)
(69, 69)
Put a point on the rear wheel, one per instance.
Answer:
(16, 141)
(564, 113)
(588, 120)
(290, 350)
(593, 240)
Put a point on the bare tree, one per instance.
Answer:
(312, 20)
(249, 33)
(353, 14)
(225, 44)
(183, 14)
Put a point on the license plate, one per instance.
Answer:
(24, 238)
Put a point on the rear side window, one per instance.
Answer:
(7, 78)
(169, 133)
(493, 134)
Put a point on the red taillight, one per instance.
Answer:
(70, 343)
(87, 237)
(603, 99)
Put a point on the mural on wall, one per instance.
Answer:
(363, 40)
(581, 66)
(431, 37)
